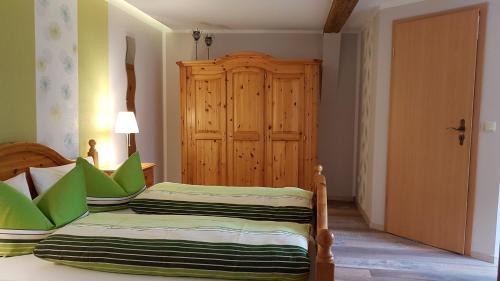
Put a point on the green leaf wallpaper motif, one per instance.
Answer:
(66, 92)
(366, 112)
(68, 64)
(65, 14)
(42, 4)
(44, 84)
(56, 36)
(54, 31)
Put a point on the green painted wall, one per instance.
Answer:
(17, 71)
(93, 72)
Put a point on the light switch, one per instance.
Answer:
(490, 126)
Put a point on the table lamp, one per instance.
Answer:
(126, 124)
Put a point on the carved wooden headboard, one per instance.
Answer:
(17, 157)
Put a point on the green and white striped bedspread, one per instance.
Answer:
(20, 242)
(182, 246)
(288, 204)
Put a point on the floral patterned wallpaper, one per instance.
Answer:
(56, 36)
(366, 109)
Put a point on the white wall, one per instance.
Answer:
(329, 84)
(337, 134)
(149, 80)
(180, 46)
(484, 239)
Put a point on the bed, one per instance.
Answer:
(16, 158)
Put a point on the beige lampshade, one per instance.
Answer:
(126, 123)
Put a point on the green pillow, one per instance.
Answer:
(22, 224)
(103, 192)
(66, 200)
(130, 175)
(98, 183)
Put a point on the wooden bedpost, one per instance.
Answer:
(93, 152)
(325, 266)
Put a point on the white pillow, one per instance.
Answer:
(45, 178)
(20, 183)
(90, 160)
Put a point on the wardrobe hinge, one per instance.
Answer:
(393, 51)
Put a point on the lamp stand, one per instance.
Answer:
(130, 148)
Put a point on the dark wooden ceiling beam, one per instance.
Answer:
(339, 13)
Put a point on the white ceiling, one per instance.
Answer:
(238, 14)
(363, 11)
(252, 15)
(366, 9)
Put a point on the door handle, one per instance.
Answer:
(461, 130)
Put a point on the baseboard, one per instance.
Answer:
(341, 198)
(370, 224)
(376, 226)
(363, 214)
(484, 257)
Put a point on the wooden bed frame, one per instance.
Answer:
(16, 158)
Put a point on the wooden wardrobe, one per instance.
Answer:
(249, 120)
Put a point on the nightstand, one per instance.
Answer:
(147, 168)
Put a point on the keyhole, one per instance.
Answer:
(461, 139)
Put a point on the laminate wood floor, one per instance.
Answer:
(362, 254)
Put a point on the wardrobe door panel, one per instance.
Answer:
(288, 94)
(206, 123)
(285, 165)
(208, 105)
(248, 164)
(285, 118)
(246, 140)
(209, 157)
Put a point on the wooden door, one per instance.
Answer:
(285, 126)
(245, 123)
(432, 89)
(206, 129)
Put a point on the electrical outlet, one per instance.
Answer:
(490, 126)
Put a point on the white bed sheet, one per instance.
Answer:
(29, 268)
